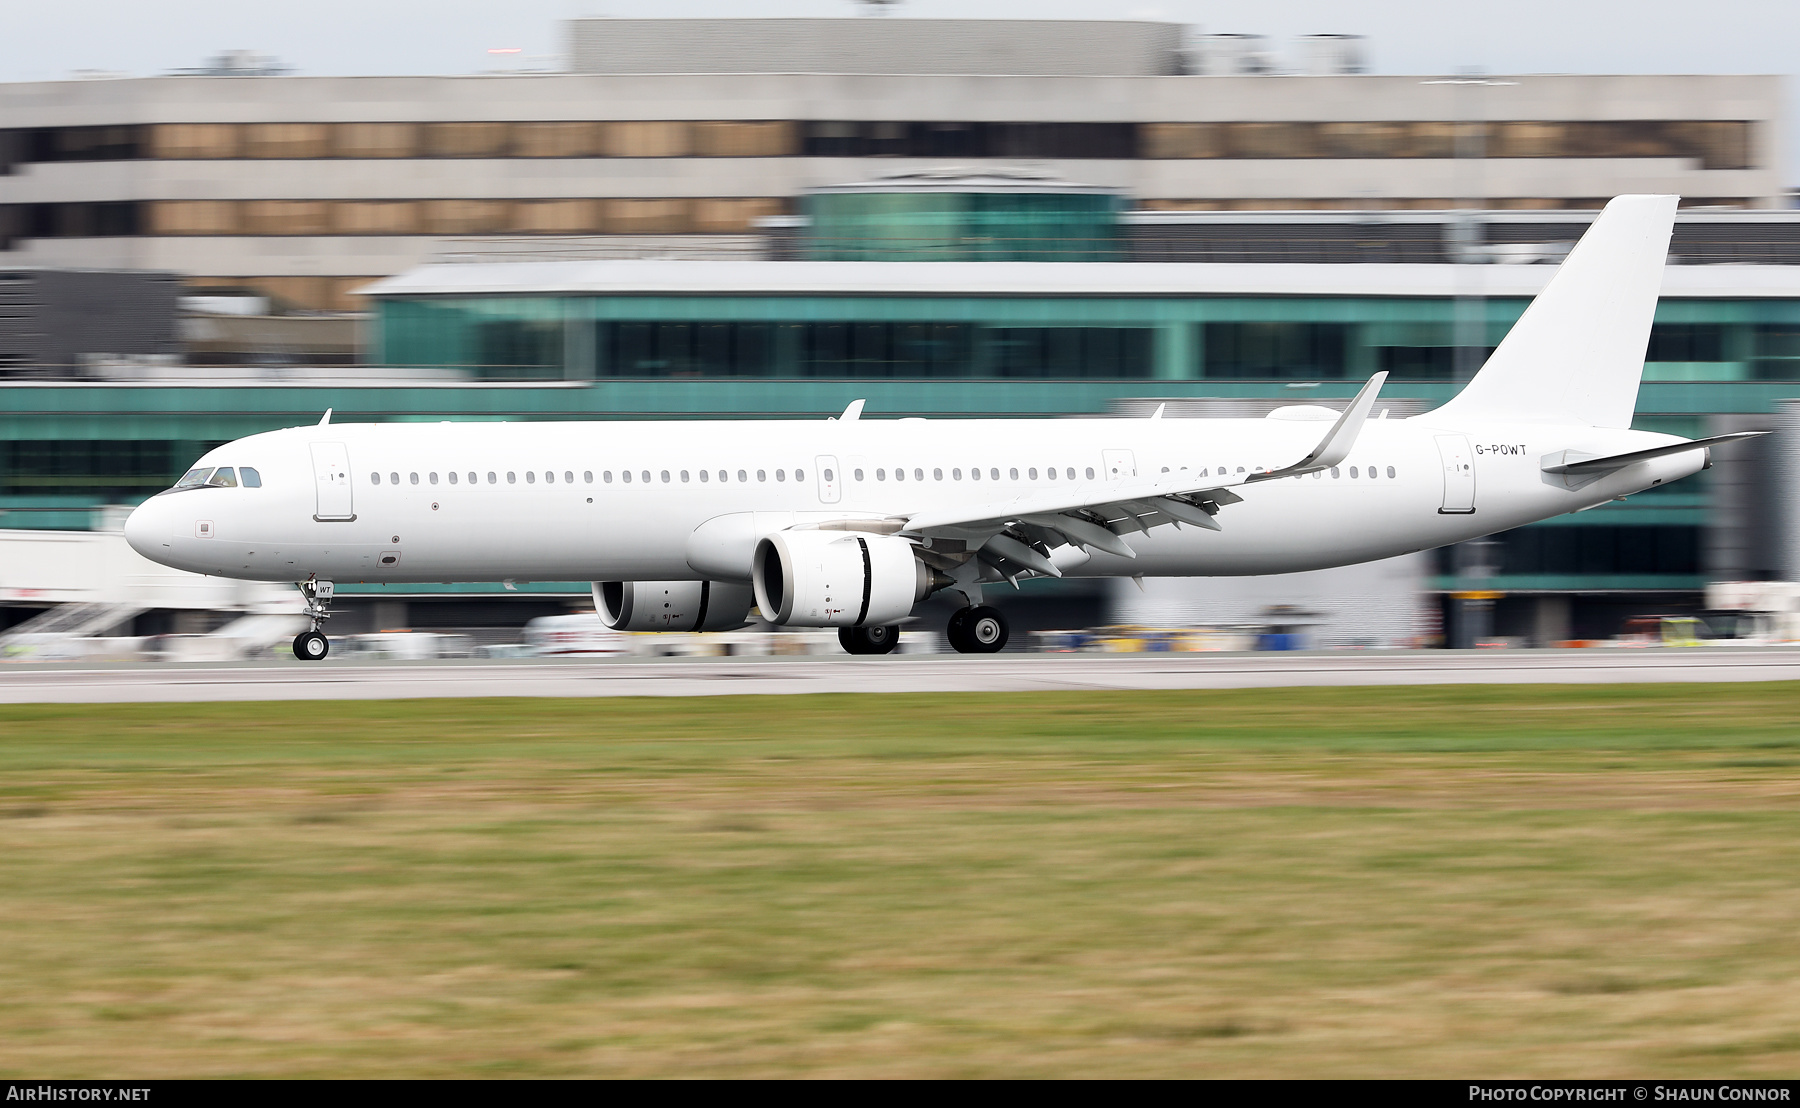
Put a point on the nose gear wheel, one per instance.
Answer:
(312, 645)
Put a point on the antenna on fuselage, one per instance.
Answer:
(326, 418)
(853, 411)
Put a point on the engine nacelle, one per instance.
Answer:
(672, 605)
(838, 579)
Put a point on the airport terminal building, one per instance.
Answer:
(1063, 232)
(681, 134)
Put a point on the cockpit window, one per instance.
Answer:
(223, 478)
(194, 478)
(250, 478)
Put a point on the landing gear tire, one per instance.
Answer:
(869, 640)
(978, 630)
(310, 646)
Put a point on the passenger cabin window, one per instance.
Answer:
(626, 474)
(799, 475)
(432, 476)
(452, 476)
(511, 477)
(918, 474)
(251, 478)
(684, 476)
(743, 477)
(549, 477)
(414, 477)
(607, 477)
(646, 476)
(859, 475)
(762, 475)
(665, 476)
(374, 478)
(491, 477)
(530, 477)
(587, 475)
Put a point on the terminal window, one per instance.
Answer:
(1277, 350)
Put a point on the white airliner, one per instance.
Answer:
(851, 522)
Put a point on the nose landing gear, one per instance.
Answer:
(978, 630)
(312, 645)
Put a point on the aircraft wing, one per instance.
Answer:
(1021, 533)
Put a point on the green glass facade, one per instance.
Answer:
(847, 337)
(973, 226)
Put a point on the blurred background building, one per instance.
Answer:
(952, 218)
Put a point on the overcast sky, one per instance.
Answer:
(42, 40)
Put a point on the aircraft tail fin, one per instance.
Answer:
(1577, 354)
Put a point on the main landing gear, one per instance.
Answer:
(978, 630)
(869, 640)
(311, 646)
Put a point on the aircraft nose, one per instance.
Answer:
(147, 529)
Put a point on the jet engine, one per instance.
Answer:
(672, 605)
(839, 579)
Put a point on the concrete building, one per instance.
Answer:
(690, 131)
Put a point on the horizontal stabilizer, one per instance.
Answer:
(1620, 461)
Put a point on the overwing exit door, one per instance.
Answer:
(1119, 463)
(830, 480)
(331, 478)
(1459, 475)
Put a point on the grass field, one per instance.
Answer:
(1543, 881)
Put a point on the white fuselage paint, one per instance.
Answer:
(590, 529)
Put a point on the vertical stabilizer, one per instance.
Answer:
(1577, 353)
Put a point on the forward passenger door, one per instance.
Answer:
(331, 476)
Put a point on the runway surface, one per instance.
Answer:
(354, 680)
